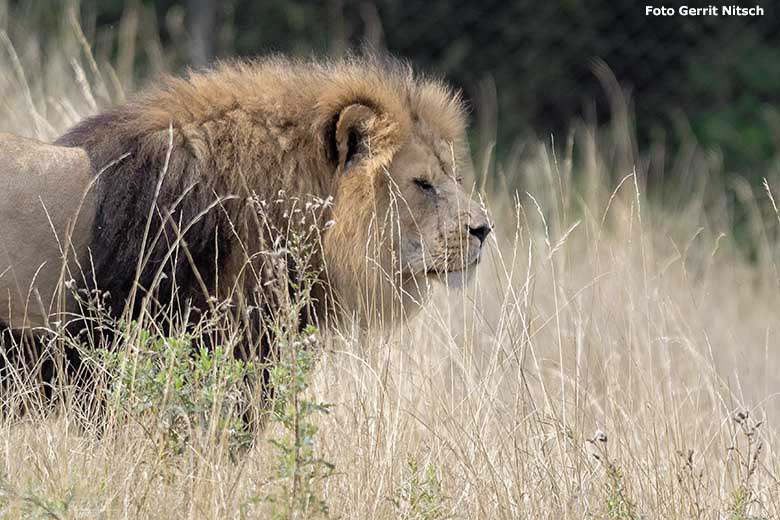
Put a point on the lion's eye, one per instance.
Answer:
(423, 184)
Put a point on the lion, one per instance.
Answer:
(200, 189)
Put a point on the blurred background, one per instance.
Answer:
(526, 67)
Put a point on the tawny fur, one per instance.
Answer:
(43, 188)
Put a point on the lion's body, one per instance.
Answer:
(44, 187)
(181, 171)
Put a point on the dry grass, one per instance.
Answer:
(615, 358)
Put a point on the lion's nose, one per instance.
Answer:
(480, 232)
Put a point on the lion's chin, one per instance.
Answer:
(454, 279)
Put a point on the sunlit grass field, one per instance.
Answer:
(616, 356)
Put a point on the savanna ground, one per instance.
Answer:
(616, 357)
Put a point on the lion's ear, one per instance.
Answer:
(352, 125)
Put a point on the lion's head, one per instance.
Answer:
(403, 215)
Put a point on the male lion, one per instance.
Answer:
(203, 191)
